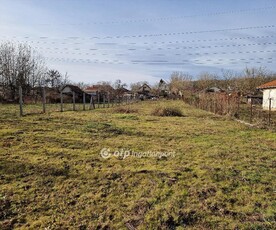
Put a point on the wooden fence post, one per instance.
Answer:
(215, 106)
(61, 102)
(84, 101)
(251, 110)
(20, 101)
(228, 104)
(74, 101)
(238, 109)
(108, 100)
(98, 94)
(269, 111)
(104, 100)
(44, 99)
(91, 103)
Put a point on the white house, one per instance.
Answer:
(269, 95)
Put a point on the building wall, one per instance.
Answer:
(269, 93)
(67, 90)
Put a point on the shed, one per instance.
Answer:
(269, 95)
(254, 99)
(144, 89)
(69, 89)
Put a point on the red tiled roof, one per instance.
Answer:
(268, 85)
(94, 88)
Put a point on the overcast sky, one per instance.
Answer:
(145, 40)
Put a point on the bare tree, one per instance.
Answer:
(19, 66)
(206, 80)
(55, 79)
(180, 82)
(119, 84)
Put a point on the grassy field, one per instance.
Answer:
(222, 174)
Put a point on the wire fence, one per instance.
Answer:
(61, 102)
(247, 109)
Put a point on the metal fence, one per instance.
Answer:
(241, 108)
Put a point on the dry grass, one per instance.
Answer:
(52, 175)
(127, 109)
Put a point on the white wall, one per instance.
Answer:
(269, 93)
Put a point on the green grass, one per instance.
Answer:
(53, 176)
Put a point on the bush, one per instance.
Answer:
(167, 112)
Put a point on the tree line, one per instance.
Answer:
(21, 66)
(244, 82)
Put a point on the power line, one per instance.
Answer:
(166, 62)
(146, 20)
(208, 40)
(205, 60)
(158, 35)
(233, 52)
(177, 54)
(153, 43)
(164, 48)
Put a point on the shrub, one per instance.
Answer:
(167, 112)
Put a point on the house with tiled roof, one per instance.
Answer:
(92, 90)
(163, 88)
(144, 89)
(269, 95)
